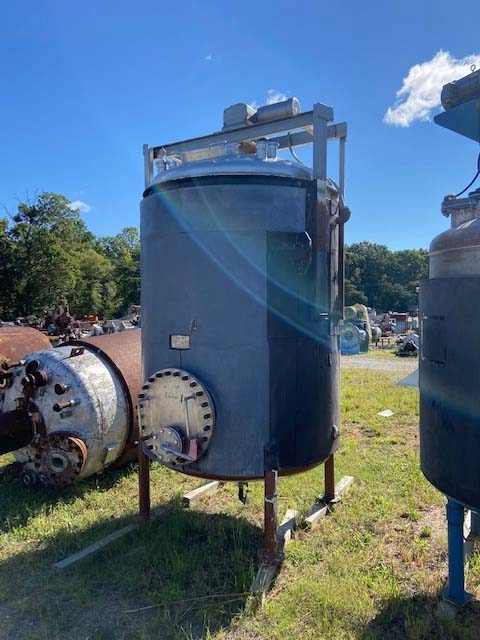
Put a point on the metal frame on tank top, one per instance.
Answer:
(314, 128)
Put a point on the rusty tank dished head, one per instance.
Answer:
(17, 342)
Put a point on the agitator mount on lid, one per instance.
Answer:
(242, 291)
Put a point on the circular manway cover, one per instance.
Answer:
(177, 417)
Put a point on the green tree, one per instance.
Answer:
(7, 272)
(381, 278)
(95, 290)
(123, 251)
(45, 271)
(52, 259)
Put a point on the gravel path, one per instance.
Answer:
(379, 363)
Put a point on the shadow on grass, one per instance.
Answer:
(423, 618)
(182, 575)
(19, 503)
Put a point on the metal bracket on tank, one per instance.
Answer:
(76, 351)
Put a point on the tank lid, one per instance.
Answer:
(230, 159)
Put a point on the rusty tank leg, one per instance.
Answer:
(143, 484)
(270, 517)
(270, 557)
(329, 471)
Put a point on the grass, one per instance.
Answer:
(372, 570)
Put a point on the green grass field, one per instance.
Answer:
(372, 570)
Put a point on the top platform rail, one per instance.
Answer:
(309, 127)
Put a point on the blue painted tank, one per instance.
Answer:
(352, 339)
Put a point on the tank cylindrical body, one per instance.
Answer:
(238, 341)
(80, 399)
(450, 360)
(122, 351)
(16, 342)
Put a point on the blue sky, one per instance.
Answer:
(86, 84)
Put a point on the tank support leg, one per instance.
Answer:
(143, 484)
(270, 518)
(455, 590)
(329, 471)
(270, 556)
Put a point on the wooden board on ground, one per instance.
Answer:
(197, 493)
(96, 546)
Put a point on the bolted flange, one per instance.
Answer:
(177, 417)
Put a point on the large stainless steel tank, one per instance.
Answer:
(69, 412)
(450, 356)
(239, 357)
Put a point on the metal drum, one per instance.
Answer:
(239, 356)
(17, 342)
(450, 356)
(69, 412)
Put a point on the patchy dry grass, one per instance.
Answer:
(372, 570)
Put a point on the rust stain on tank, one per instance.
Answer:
(17, 342)
(123, 352)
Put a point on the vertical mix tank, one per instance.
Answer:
(450, 362)
(450, 351)
(240, 347)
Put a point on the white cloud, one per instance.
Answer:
(420, 92)
(273, 95)
(79, 205)
(209, 57)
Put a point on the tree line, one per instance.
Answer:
(49, 257)
(383, 279)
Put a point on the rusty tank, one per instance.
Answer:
(69, 412)
(17, 342)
